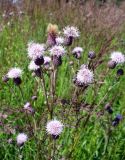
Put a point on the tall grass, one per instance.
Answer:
(93, 140)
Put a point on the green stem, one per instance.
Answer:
(45, 92)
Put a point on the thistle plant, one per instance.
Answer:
(63, 114)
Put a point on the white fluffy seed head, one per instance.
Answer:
(14, 73)
(35, 50)
(32, 66)
(21, 138)
(117, 57)
(54, 127)
(59, 40)
(47, 60)
(71, 31)
(84, 75)
(77, 50)
(57, 51)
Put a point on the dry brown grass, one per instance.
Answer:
(89, 17)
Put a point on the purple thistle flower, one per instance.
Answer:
(77, 52)
(21, 139)
(54, 127)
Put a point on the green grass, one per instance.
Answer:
(89, 142)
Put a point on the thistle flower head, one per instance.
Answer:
(54, 127)
(71, 31)
(47, 60)
(52, 29)
(117, 57)
(32, 66)
(57, 51)
(59, 40)
(21, 138)
(14, 73)
(35, 50)
(77, 50)
(84, 75)
(119, 117)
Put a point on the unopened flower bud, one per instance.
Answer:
(51, 40)
(111, 64)
(68, 41)
(77, 52)
(120, 72)
(91, 54)
(108, 108)
(117, 119)
(38, 72)
(34, 98)
(28, 108)
(57, 60)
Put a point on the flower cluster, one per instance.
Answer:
(21, 138)
(117, 57)
(14, 73)
(59, 40)
(54, 127)
(77, 52)
(35, 50)
(45, 60)
(33, 66)
(71, 31)
(84, 76)
(57, 51)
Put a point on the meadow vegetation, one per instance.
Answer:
(92, 114)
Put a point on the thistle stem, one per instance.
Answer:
(44, 90)
(53, 87)
(54, 149)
